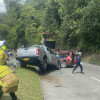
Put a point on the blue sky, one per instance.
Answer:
(2, 6)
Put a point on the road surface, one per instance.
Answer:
(63, 85)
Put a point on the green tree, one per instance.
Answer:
(52, 19)
(90, 25)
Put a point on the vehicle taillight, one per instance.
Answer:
(16, 52)
(38, 51)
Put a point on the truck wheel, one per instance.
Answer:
(43, 66)
(58, 65)
(22, 64)
(64, 64)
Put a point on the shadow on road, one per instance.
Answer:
(48, 70)
(37, 70)
(70, 66)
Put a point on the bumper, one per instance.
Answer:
(28, 59)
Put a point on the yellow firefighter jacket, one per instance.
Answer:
(3, 57)
(8, 79)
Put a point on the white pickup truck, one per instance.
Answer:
(40, 55)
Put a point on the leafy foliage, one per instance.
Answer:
(72, 23)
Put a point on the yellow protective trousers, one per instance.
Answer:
(8, 80)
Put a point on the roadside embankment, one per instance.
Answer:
(93, 58)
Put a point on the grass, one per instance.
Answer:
(29, 85)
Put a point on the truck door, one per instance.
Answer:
(52, 58)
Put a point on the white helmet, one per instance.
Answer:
(79, 53)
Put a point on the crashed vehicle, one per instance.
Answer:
(67, 58)
(2, 42)
(40, 56)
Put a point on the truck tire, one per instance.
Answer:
(43, 67)
(58, 65)
(22, 64)
(64, 64)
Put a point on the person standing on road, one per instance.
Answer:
(78, 63)
(72, 55)
(8, 80)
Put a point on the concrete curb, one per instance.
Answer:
(41, 88)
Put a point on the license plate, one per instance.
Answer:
(26, 58)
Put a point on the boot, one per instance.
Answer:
(82, 72)
(13, 96)
(73, 72)
(1, 93)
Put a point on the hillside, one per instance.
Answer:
(92, 58)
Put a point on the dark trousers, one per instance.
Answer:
(78, 64)
(13, 96)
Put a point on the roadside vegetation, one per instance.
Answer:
(29, 85)
(92, 58)
(71, 23)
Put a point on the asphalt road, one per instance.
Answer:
(63, 85)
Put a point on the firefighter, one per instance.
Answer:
(3, 56)
(8, 80)
(78, 63)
